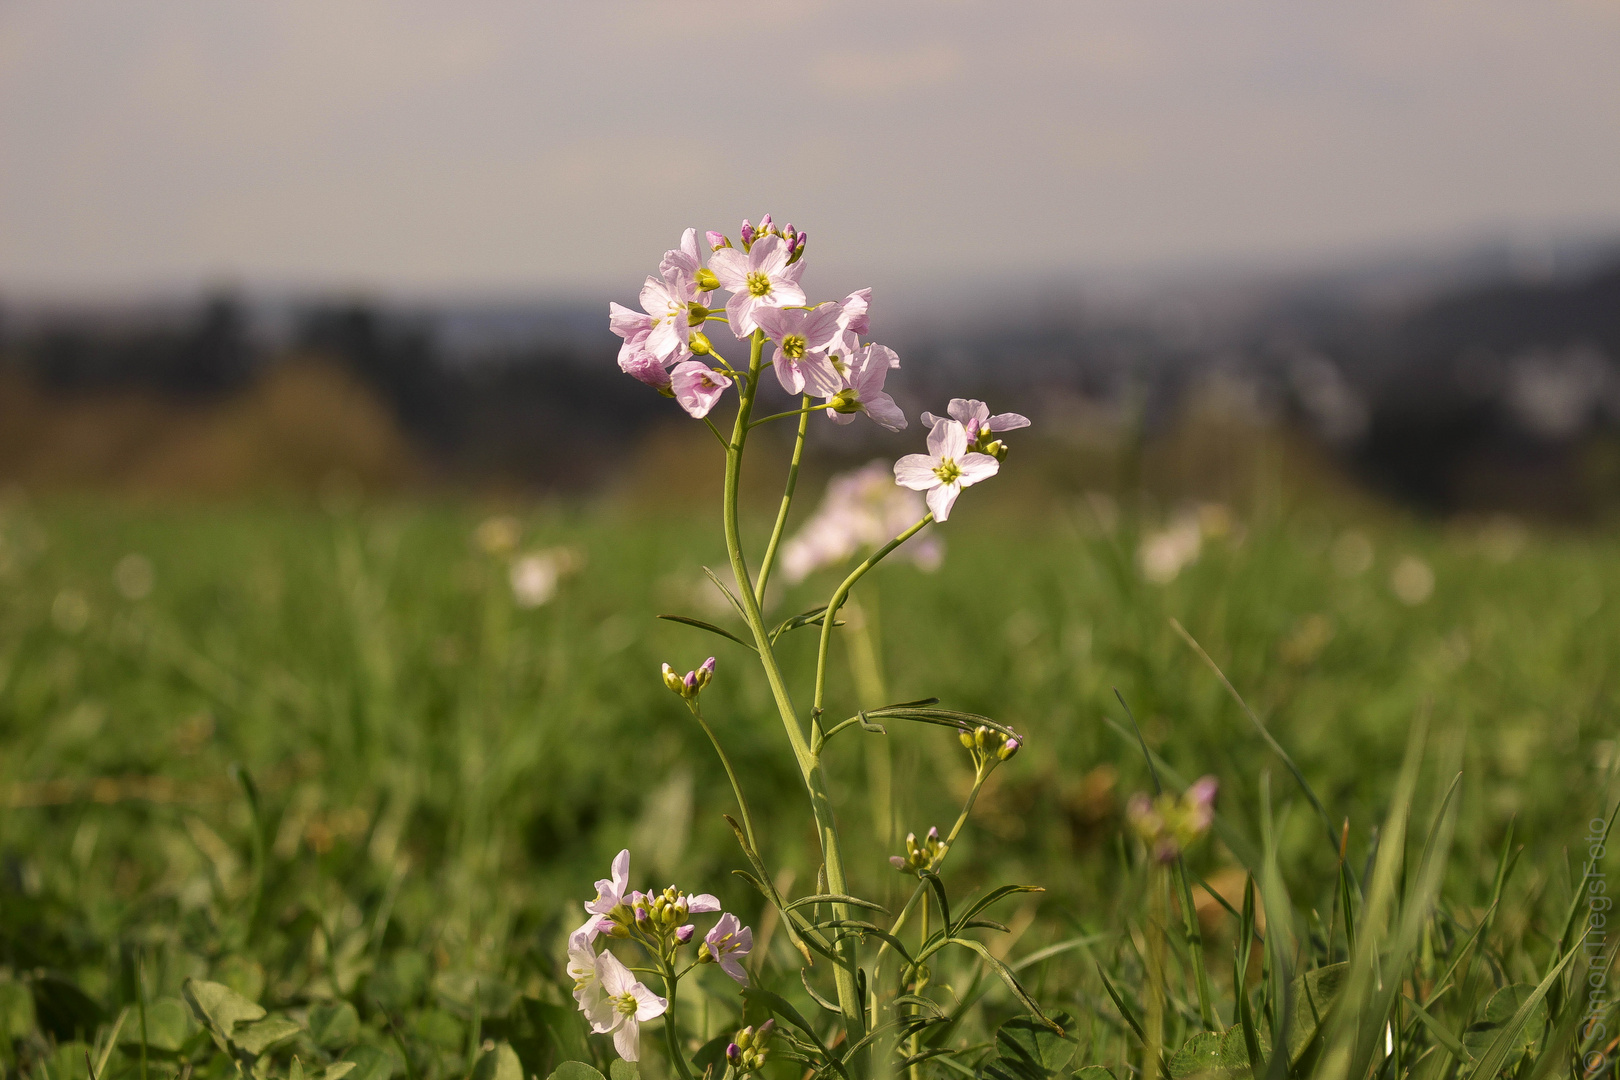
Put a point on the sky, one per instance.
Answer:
(473, 147)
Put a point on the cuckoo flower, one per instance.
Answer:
(637, 361)
(624, 1005)
(697, 386)
(726, 944)
(582, 966)
(975, 417)
(801, 338)
(615, 891)
(856, 307)
(860, 388)
(761, 278)
(946, 469)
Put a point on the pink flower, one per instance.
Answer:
(612, 892)
(946, 469)
(726, 944)
(624, 1005)
(856, 306)
(859, 387)
(761, 278)
(801, 337)
(975, 417)
(697, 386)
(637, 361)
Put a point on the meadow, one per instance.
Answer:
(330, 759)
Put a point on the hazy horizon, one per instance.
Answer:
(510, 150)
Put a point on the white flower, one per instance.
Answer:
(946, 469)
(614, 891)
(534, 579)
(582, 966)
(623, 1006)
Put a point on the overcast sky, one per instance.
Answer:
(557, 148)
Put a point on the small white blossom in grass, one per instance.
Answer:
(726, 945)
(533, 578)
(761, 278)
(946, 469)
(624, 1006)
(859, 387)
(697, 387)
(801, 338)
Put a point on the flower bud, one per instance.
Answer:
(845, 401)
(696, 313)
(716, 242)
(733, 1053)
(684, 934)
(1008, 749)
(747, 235)
(765, 226)
(996, 449)
(698, 341)
(704, 955)
(964, 735)
(798, 247)
(705, 672)
(674, 681)
(706, 280)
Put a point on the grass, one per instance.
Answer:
(327, 762)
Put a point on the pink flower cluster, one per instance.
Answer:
(818, 348)
(606, 991)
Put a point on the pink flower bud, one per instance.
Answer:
(717, 240)
(684, 933)
(898, 862)
(765, 224)
(733, 1053)
(747, 233)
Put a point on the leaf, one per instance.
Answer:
(260, 1035)
(710, 627)
(624, 1070)
(370, 1063)
(167, 1027)
(219, 1008)
(1093, 1072)
(996, 894)
(1235, 1051)
(805, 618)
(1009, 978)
(338, 1070)
(1499, 1011)
(837, 898)
(499, 1063)
(869, 929)
(1029, 1049)
(938, 887)
(1311, 995)
(729, 595)
(712, 1055)
(575, 1070)
(1507, 1039)
(333, 1025)
(817, 998)
(962, 721)
(1200, 1056)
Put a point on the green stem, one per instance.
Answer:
(918, 894)
(671, 1036)
(837, 601)
(849, 1001)
(731, 773)
(803, 412)
(769, 560)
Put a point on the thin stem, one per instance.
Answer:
(899, 923)
(837, 602)
(849, 1001)
(723, 444)
(731, 773)
(801, 412)
(769, 560)
(671, 1036)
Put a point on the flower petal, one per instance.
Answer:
(627, 1039)
(790, 373)
(777, 323)
(648, 1004)
(731, 267)
(969, 413)
(697, 387)
(976, 467)
(740, 311)
(702, 903)
(856, 308)
(820, 377)
(884, 412)
(625, 322)
(916, 471)
(1007, 421)
(616, 979)
(941, 499)
(820, 327)
(947, 440)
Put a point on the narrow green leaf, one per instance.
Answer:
(836, 898)
(710, 627)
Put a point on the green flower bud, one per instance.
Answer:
(706, 279)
